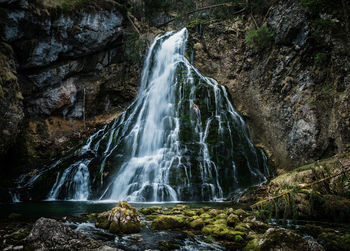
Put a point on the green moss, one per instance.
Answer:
(221, 216)
(164, 245)
(126, 228)
(232, 220)
(197, 224)
(223, 232)
(242, 227)
(151, 210)
(197, 22)
(167, 222)
(260, 38)
(189, 213)
(241, 213)
(102, 221)
(252, 245)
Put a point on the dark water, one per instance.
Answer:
(76, 208)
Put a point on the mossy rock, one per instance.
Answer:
(334, 241)
(252, 245)
(92, 216)
(121, 219)
(220, 222)
(232, 220)
(205, 216)
(223, 232)
(126, 228)
(182, 207)
(214, 212)
(102, 220)
(242, 227)
(189, 213)
(168, 222)
(241, 213)
(204, 210)
(197, 224)
(165, 245)
(221, 216)
(151, 210)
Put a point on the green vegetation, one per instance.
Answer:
(260, 38)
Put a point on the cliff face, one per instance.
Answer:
(60, 65)
(296, 106)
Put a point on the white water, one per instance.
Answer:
(143, 155)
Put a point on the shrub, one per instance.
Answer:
(260, 38)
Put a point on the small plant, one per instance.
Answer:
(320, 58)
(260, 38)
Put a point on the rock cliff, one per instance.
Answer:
(64, 72)
(294, 93)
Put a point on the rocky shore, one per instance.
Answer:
(270, 217)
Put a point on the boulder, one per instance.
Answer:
(282, 239)
(168, 222)
(121, 219)
(49, 234)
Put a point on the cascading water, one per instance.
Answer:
(181, 140)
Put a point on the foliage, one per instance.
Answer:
(260, 38)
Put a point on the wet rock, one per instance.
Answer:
(282, 239)
(288, 22)
(54, 99)
(51, 234)
(62, 36)
(121, 219)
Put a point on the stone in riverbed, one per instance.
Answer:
(282, 239)
(121, 219)
(168, 222)
(48, 234)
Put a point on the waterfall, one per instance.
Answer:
(180, 140)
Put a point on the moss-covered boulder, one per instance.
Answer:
(121, 219)
(221, 231)
(282, 239)
(241, 213)
(151, 210)
(169, 222)
(197, 224)
(232, 220)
